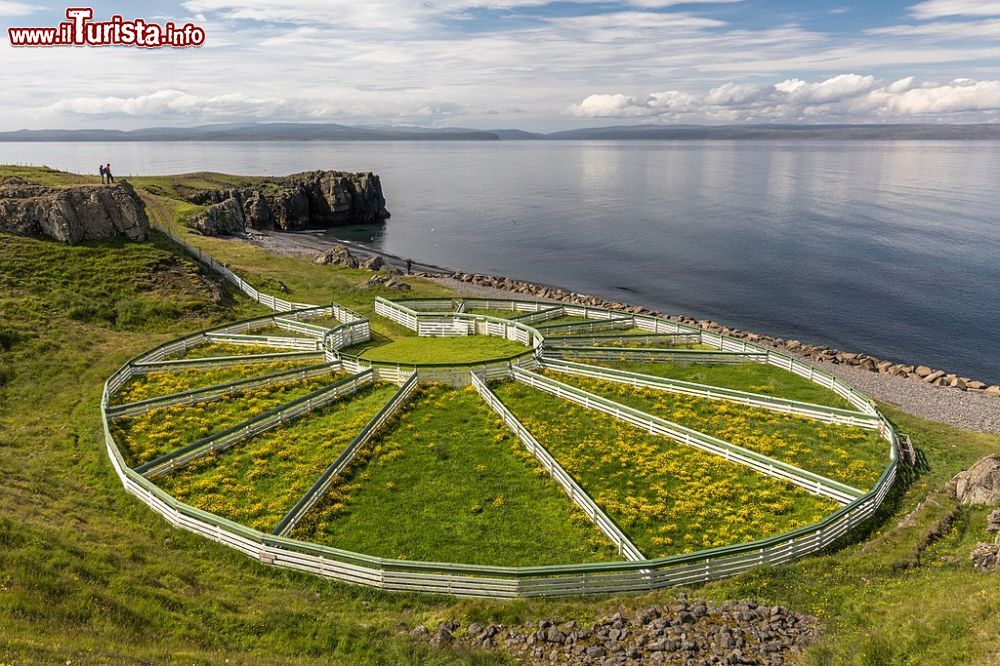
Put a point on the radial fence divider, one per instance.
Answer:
(539, 315)
(810, 481)
(181, 364)
(797, 407)
(591, 326)
(302, 344)
(548, 462)
(218, 391)
(653, 354)
(318, 490)
(622, 338)
(241, 432)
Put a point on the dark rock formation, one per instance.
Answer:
(684, 632)
(313, 199)
(74, 213)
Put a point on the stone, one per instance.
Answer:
(339, 255)
(73, 214)
(222, 219)
(985, 557)
(980, 484)
(993, 390)
(373, 263)
(933, 377)
(993, 521)
(975, 385)
(922, 371)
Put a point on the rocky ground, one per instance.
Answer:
(685, 632)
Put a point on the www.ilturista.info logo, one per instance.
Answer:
(80, 30)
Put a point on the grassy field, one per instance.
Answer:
(854, 456)
(415, 498)
(90, 575)
(752, 377)
(164, 429)
(257, 482)
(667, 497)
(174, 381)
(469, 349)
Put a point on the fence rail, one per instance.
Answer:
(652, 354)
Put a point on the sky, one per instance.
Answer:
(529, 64)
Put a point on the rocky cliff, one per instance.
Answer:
(74, 213)
(314, 199)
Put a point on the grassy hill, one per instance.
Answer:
(88, 575)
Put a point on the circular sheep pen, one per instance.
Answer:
(281, 436)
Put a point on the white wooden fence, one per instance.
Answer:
(488, 581)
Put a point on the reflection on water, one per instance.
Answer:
(888, 247)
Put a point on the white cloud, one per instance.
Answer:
(931, 9)
(851, 95)
(170, 102)
(11, 9)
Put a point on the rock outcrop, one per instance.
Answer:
(225, 218)
(313, 199)
(980, 484)
(72, 214)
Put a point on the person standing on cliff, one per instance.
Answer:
(409, 265)
(103, 173)
(107, 170)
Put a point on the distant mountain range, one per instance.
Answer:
(333, 132)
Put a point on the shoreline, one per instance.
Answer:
(915, 389)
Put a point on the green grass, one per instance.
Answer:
(753, 377)
(854, 456)
(259, 481)
(669, 498)
(88, 574)
(213, 349)
(162, 430)
(499, 314)
(174, 381)
(468, 349)
(449, 483)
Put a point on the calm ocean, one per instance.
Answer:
(887, 247)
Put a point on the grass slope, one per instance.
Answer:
(90, 575)
(449, 483)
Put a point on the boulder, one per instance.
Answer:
(73, 213)
(993, 522)
(373, 263)
(222, 219)
(922, 371)
(985, 557)
(339, 255)
(980, 484)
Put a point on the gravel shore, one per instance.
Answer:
(969, 411)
